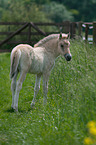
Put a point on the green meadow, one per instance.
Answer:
(71, 102)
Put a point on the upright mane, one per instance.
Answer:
(52, 36)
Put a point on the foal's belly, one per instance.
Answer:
(36, 67)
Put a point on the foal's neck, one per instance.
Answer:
(52, 46)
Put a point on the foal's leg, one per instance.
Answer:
(18, 88)
(45, 86)
(13, 87)
(36, 89)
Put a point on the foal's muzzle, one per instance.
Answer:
(68, 56)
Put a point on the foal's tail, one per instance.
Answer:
(15, 57)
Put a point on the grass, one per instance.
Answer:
(71, 102)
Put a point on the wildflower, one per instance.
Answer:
(56, 128)
(92, 127)
(91, 124)
(88, 141)
(91, 140)
(92, 131)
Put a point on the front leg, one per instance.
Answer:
(36, 89)
(45, 87)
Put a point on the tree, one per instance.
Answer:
(57, 12)
(85, 9)
(23, 11)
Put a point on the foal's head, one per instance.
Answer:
(63, 46)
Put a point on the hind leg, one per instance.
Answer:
(13, 88)
(18, 88)
(36, 89)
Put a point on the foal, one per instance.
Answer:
(38, 60)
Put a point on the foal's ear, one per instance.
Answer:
(60, 37)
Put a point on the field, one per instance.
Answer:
(71, 102)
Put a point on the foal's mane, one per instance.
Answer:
(52, 36)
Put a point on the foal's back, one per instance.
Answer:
(31, 60)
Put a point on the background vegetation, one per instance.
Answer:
(49, 10)
(71, 102)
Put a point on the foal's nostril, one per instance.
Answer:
(68, 57)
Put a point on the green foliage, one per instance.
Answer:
(26, 10)
(57, 12)
(71, 102)
(23, 11)
(41, 1)
(86, 9)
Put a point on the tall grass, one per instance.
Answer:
(71, 102)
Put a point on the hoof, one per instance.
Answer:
(32, 105)
(15, 109)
